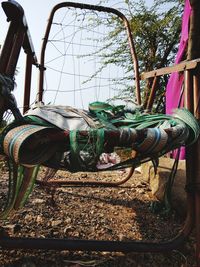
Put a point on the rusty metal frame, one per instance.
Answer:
(18, 36)
(88, 182)
(99, 9)
(193, 193)
(135, 73)
(155, 74)
(185, 65)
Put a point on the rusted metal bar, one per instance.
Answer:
(93, 245)
(186, 65)
(18, 36)
(96, 8)
(196, 192)
(188, 103)
(5, 52)
(188, 91)
(15, 37)
(134, 60)
(196, 171)
(28, 45)
(27, 85)
(196, 82)
(15, 14)
(152, 94)
(61, 182)
(14, 53)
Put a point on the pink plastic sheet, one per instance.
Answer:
(174, 86)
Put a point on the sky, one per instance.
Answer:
(37, 13)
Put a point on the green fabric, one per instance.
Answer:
(114, 117)
(187, 118)
(20, 186)
(27, 185)
(14, 178)
(89, 146)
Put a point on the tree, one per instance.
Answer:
(156, 31)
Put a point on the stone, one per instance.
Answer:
(38, 201)
(56, 223)
(157, 182)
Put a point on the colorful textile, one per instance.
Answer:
(36, 142)
(175, 83)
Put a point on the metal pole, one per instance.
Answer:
(27, 86)
(91, 245)
(5, 52)
(14, 53)
(193, 53)
(152, 94)
(197, 169)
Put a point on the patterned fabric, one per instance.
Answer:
(39, 142)
(20, 143)
(36, 141)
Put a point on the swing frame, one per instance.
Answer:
(18, 36)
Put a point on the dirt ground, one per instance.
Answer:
(101, 213)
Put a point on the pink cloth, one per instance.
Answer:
(175, 81)
(173, 90)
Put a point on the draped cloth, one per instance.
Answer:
(174, 86)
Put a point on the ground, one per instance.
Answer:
(117, 213)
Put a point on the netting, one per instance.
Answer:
(82, 64)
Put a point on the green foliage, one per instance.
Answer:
(155, 33)
(156, 30)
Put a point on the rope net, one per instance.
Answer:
(79, 58)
